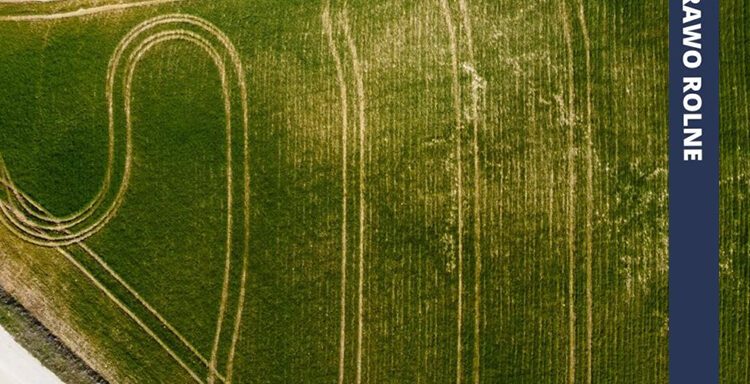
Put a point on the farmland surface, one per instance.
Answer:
(734, 187)
(296, 191)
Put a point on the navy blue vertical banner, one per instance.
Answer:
(694, 191)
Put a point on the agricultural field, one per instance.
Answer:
(734, 210)
(296, 191)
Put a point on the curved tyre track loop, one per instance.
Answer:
(29, 220)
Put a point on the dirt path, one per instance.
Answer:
(17, 366)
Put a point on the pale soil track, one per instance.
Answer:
(84, 11)
(357, 69)
(356, 66)
(477, 87)
(456, 91)
(328, 27)
(571, 119)
(589, 200)
(28, 1)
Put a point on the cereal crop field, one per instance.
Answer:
(733, 190)
(350, 192)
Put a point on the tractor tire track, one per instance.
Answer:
(328, 29)
(85, 11)
(589, 200)
(570, 120)
(23, 227)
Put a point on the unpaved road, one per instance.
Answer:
(17, 366)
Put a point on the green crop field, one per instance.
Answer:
(304, 191)
(734, 166)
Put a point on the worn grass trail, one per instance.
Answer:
(440, 191)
